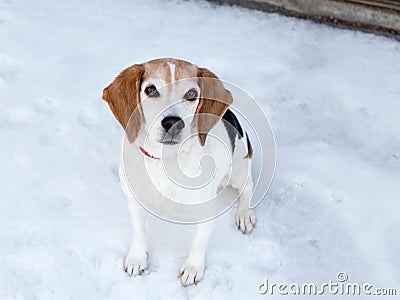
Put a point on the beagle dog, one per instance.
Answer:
(170, 109)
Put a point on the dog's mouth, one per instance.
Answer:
(170, 140)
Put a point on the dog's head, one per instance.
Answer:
(167, 100)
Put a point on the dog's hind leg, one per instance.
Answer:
(241, 179)
(245, 217)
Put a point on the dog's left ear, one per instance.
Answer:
(214, 101)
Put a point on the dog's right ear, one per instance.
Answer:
(123, 97)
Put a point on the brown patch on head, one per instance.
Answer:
(157, 68)
(214, 101)
(160, 68)
(249, 148)
(184, 69)
(122, 95)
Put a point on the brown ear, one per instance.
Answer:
(123, 97)
(214, 101)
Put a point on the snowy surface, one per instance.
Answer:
(333, 99)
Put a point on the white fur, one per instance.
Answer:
(227, 164)
(172, 71)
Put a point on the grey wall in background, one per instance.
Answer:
(377, 16)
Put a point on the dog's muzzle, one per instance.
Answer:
(173, 126)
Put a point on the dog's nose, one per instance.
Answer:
(175, 123)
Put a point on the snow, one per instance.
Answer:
(332, 97)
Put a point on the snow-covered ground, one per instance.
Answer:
(333, 99)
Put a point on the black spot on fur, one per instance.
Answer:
(235, 127)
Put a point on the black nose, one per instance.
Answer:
(175, 123)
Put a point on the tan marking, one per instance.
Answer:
(249, 149)
(123, 97)
(160, 68)
(157, 68)
(184, 69)
(214, 101)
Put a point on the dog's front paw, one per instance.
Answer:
(136, 262)
(246, 220)
(191, 273)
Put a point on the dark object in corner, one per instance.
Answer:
(373, 16)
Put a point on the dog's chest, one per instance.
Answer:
(187, 178)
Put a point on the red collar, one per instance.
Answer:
(147, 153)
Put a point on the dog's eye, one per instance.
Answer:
(191, 95)
(151, 91)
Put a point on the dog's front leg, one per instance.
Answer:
(192, 271)
(136, 260)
